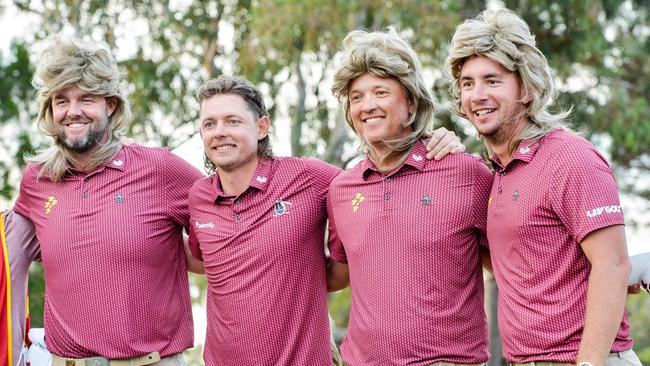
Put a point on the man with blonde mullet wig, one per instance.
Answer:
(109, 215)
(409, 230)
(555, 225)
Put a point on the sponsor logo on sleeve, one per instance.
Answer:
(604, 210)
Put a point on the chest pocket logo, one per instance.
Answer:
(281, 207)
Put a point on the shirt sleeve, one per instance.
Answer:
(483, 179)
(334, 244)
(21, 205)
(23, 248)
(179, 178)
(584, 195)
(322, 175)
(193, 242)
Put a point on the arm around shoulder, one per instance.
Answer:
(338, 276)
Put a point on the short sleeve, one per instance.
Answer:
(334, 244)
(179, 178)
(483, 180)
(21, 205)
(584, 194)
(321, 174)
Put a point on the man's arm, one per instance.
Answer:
(338, 276)
(606, 250)
(23, 248)
(193, 265)
(443, 142)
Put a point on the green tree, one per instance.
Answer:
(598, 49)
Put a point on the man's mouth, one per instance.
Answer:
(227, 147)
(372, 120)
(76, 125)
(483, 112)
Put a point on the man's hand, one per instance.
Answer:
(443, 142)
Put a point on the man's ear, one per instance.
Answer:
(263, 125)
(111, 104)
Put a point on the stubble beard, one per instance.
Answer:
(507, 124)
(86, 143)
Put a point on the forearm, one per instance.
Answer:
(607, 290)
(338, 276)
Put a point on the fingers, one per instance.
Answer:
(442, 143)
(634, 289)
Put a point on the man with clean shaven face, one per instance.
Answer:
(408, 230)
(109, 215)
(555, 225)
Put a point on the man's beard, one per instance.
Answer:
(86, 143)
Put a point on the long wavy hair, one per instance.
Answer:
(386, 55)
(505, 38)
(64, 63)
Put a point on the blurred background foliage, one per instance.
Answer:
(166, 49)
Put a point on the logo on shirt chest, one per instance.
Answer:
(281, 207)
(49, 204)
(207, 225)
(356, 201)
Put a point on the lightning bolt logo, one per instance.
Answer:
(49, 204)
(356, 201)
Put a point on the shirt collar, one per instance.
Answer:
(416, 158)
(117, 162)
(260, 180)
(524, 152)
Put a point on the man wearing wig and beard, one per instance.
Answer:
(109, 216)
(409, 230)
(555, 225)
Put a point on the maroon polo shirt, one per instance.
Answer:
(264, 258)
(112, 252)
(543, 203)
(411, 241)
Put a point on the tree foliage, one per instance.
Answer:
(166, 49)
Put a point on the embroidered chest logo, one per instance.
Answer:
(49, 204)
(356, 201)
(281, 207)
(119, 198)
(426, 201)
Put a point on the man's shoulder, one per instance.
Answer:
(202, 186)
(565, 139)
(305, 165)
(143, 151)
(570, 148)
(351, 175)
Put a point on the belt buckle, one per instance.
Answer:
(70, 362)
